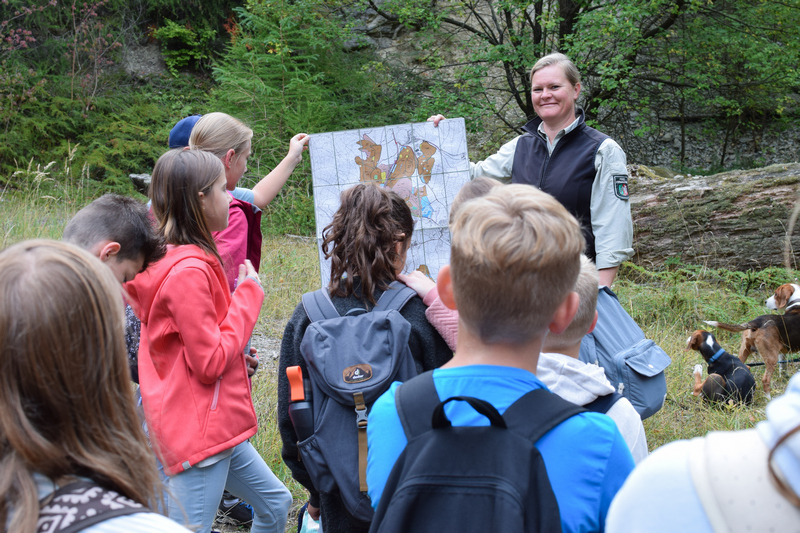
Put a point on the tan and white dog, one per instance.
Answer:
(770, 335)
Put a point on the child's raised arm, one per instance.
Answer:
(270, 185)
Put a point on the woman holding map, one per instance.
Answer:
(581, 167)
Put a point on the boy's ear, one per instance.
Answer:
(108, 251)
(594, 323)
(444, 285)
(564, 314)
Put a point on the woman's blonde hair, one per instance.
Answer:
(179, 177)
(66, 403)
(219, 132)
(567, 66)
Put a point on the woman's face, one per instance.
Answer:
(554, 96)
(216, 202)
(237, 167)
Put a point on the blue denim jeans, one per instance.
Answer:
(197, 492)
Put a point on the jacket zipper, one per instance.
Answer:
(550, 156)
(216, 394)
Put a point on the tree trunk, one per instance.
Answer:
(736, 220)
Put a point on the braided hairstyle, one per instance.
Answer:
(361, 241)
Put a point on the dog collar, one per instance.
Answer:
(716, 355)
(794, 304)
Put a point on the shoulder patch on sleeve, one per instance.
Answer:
(621, 186)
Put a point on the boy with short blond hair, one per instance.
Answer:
(515, 258)
(581, 383)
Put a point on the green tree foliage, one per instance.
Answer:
(286, 72)
(679, 58)
(183, 45)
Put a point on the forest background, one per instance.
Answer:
(681, 72)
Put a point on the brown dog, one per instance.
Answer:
(787, 297)
(770, 335)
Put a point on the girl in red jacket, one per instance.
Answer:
(192, 370)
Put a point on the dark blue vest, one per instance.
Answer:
(567, 174)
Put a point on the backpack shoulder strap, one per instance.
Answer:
(395, 297)
(87, 503)
(318, 305)
(537, 412)
(416, 400)
(602, 404)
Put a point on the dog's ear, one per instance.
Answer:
(782, 295)
(695, 340)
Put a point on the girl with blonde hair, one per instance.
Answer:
(230, 140)
(193, 373)
(68, 423)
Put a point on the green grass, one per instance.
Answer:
(669, 305)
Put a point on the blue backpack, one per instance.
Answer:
(351, 361)
(633, 364)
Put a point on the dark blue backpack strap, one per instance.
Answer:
(395, 297)
(602, 404)
(416, 399)
(318, 305)
(537, 412)
(608, 291)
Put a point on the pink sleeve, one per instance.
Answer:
(232, 245)
(445, 320)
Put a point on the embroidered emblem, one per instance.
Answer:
(357, 373)
(621, 186)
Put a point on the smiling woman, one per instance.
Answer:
(582, 168)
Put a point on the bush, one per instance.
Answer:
(285, 72)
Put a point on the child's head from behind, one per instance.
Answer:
(514, 259)
(119, 231)
(472, 189)
(183, 188)
(367, 239)
(586, 287)
(65, 399)
(228, 139)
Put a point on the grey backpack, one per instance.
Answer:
(632, 363)
(351, 361)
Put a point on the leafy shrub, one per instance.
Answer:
(183, 45)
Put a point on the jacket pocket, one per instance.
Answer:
(216, 394)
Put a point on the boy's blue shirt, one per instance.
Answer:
(586, 457)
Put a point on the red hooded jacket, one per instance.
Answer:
(192, 371)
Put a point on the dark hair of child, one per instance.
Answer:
(119, 219)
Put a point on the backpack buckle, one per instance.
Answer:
(361, 409)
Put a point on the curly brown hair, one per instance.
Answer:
(361, 240)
